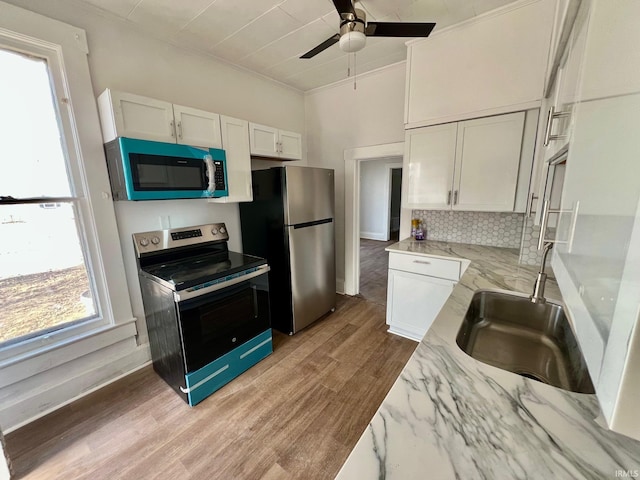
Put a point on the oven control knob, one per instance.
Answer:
(155, 240)
(144, 242)
(214, 231)
(223, 230)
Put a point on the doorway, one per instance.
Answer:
(354, 158)
(379, 223)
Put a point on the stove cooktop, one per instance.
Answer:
(197, 270)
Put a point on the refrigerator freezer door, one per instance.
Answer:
(313, 272)
(309, 194)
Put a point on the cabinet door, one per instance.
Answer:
(500, 62)
(196, 127)
(263, 140)
(414, 301)
(428, 166)
(235, 141)
(290, 145)
(567, 83)
(141, 117)
(487, 163)
(598, 268)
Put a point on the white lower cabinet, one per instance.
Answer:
(414, 295)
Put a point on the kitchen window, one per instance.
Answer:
(45, 280)
(62, 278)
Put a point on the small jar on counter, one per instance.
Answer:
(415, 223)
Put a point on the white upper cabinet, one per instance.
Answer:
(493, 64)
(273, 143)
(235, 141)
(487, 163)
(197, 127)
(127, 115)
(429, 161)
(263, 140)
(597, 256)
(470, 165)
(290, 145)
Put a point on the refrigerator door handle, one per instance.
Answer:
(312, 224)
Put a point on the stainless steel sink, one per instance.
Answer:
(534, 340)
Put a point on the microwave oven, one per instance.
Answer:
(147, 170)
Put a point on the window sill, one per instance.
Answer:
(28, 364)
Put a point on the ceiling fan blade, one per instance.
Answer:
(398, 29)
(344, 6)
(323, 46)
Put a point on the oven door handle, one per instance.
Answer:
(188, 294)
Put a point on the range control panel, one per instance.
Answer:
(155, 241)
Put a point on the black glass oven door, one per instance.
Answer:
(216, 323)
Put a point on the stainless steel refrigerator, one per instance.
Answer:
(291, 223)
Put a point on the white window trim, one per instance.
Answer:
(65, 48)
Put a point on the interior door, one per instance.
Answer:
(313, 272)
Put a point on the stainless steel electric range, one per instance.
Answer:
(207, 308)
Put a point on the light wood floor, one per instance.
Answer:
(374, 262)
(295, 415)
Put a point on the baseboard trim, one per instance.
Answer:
(374, 236)
(405, 333)
(141, 354)
(340, 286)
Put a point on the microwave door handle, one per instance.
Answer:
(211, 173)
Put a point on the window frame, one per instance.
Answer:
(65, 50)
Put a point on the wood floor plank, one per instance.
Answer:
(374, 263)
(296, 415)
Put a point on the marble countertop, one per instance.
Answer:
(449, 416)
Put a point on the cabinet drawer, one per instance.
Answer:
(434, 267)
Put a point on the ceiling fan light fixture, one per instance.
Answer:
(352, 41)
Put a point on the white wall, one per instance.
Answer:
(122, 58)
(374, 199)
(339, 117)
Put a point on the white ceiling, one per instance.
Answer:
(268, 36)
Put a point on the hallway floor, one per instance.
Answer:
(374, 262)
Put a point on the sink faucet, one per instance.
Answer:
(538, 289)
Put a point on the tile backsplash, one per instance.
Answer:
(529, 253)
(479, 228)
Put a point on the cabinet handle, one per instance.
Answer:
(455, 197)
(546, 210)
(180, 130)
(173, 128)
(529, 211)
(423, 262)
(550, 118)
(449, 198)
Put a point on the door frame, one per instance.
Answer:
(352, 159)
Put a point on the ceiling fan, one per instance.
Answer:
(354, 30)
